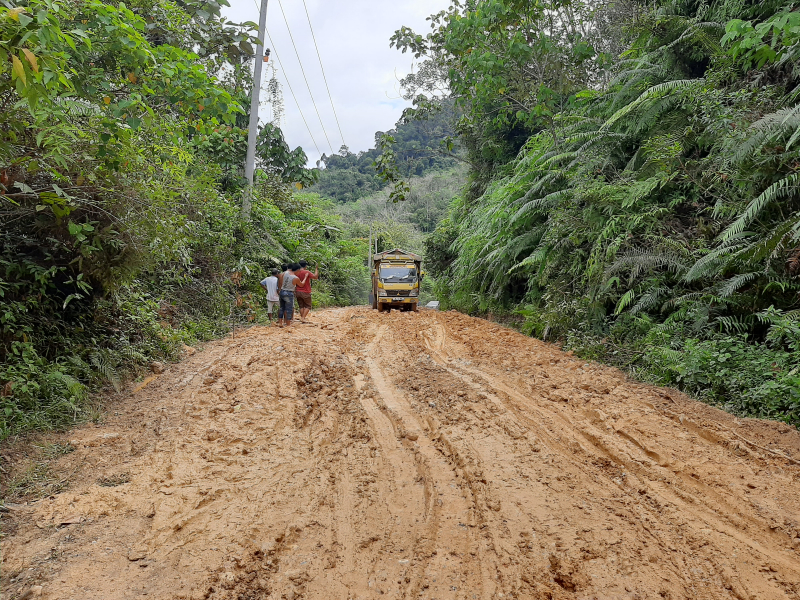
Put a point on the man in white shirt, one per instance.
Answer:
(271, 285)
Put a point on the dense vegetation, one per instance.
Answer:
(121, 158)
(634, 184)
(419, 147)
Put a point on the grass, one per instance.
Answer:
(37, 480)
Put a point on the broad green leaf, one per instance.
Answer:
(61, 192)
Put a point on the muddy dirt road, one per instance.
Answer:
(406, 455)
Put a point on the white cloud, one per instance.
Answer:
(362, 71)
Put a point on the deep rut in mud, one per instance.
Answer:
(403, 455)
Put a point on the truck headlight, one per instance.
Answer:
(414, 293)
(381, 292)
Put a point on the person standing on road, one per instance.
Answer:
(303, 292)
(271, 285)
(284, 267)
(289, 282)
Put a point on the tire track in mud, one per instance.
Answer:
(416, 456)
(684, 494)
(445, 499)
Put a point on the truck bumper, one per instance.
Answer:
(397, 301)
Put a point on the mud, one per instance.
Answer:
(404, 455)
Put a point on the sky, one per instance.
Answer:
(362, 71)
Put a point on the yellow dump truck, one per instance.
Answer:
(396, 279)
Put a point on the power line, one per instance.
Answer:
(303, 71)
(300, 110)
(313, 37)
(291, 90)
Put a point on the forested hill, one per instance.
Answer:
(634, 185)
(418, 148)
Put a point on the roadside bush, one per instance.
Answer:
(729, 371)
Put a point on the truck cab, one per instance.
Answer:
(396, 279)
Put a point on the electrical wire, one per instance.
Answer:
(300, 110)
(303, 71)
(319, 56)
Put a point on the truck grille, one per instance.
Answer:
(397, 293)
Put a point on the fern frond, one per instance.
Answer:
(697, 31)
(649, 300)
(102, 365)
(626, 299)
(707, 265)
(735, 324)
(557, 158)
(550, 199)
(770, 245)
(784, 188)
(771, 126)
(732, 285)
(536, 258)
(639, 260)
(654, 92)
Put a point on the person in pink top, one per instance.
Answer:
(303, 292)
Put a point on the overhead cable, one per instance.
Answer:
(300, 110)
(319, 56)
(303, 71)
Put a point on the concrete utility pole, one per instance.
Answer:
(252, 133)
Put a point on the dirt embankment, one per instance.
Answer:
(406, 455)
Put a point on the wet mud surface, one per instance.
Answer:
(403, 455)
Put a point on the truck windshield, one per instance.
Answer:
(405, 274)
